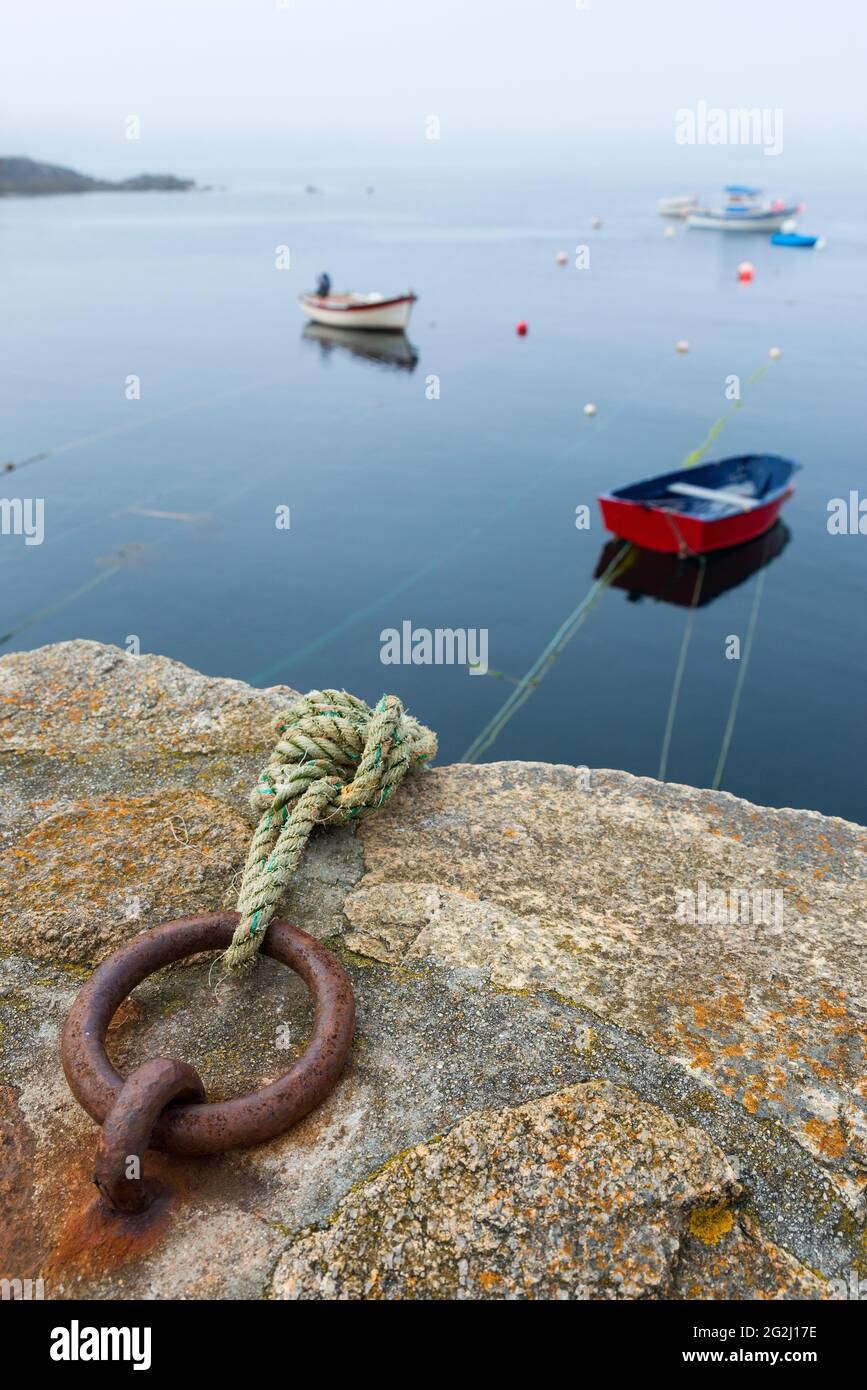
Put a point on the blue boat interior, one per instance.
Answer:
(756, 477)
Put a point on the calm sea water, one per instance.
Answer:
(457, 512)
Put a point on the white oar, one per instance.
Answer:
(714, 494)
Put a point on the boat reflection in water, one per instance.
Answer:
(691, 583)
(386, 349)
(669, 579)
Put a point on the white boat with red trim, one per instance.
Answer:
(359, 310)
(745, 210)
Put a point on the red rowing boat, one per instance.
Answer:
(696, 510)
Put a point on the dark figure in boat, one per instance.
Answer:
(323, 285)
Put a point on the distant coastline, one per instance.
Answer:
(30, 178)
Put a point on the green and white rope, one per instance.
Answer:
(336, 760)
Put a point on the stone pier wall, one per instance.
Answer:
(560, 1085)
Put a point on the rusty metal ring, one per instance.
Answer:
(128, 1127)
(212, 1128)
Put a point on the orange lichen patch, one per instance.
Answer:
(831, 1010)
(718, 1013)
(820, 1069)
(81, 878)
(797, 900)
(489, 1280)
(700, 1053)
(828, 1137)
(710, 1224)
(752, 1098)
(761, 1055)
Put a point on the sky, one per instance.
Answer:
(226, 83)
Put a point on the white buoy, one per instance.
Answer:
(589, 408)
(790, 225)
(775, 352)
(682, 346)
(670, 231)
(596, 223)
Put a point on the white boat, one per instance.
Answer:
(359, 310)
(745, 210)
(740, 219)
(678, 206)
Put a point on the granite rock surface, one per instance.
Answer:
(610, 1041)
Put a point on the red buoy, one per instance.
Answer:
(746, 272)
(521, 329)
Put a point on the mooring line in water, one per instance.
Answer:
(51, 608)
(10, 556)
(82, 589)
(528, 683)
(546, 658)
(719, 425)
(681, 667)
(14, 465)
(739, 684)
(359, 614)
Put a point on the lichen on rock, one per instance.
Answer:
(557, 1089)
(586, 1193)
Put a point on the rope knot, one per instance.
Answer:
(336, 759)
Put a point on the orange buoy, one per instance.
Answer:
(521, 329)
(561, 258)
(746, 272)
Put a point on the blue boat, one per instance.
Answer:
(792, 239)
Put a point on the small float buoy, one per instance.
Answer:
(775, 352)
(561, 258)
(746, 272)
(589, 408)
(521, 329)
(670, 231)
(596, 223)
(682, 346)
